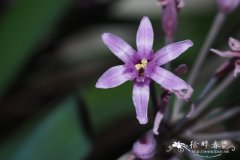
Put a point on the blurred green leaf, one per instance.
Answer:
(108, 105)
(57, 135)
(25, 24)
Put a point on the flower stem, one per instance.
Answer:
(176, 109)
(161, 111)
(217, 136)
(192, 109)
(221, 87)
(219, 118)
(211, 83)
(218, 21)
(185, 123)
(168, 40)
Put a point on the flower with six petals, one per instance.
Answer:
(143, 65)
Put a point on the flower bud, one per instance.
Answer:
(228, 6)
(171, 9)
(170, 18)
(145, 147)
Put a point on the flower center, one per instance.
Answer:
(141, 66)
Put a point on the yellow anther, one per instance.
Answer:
(144, 61)
(143, 64)
(138, 66)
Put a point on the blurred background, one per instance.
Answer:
(51, 55)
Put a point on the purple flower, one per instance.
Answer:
(228, 6)
(170, 15)
(145, 147)
(234, 52)
(142, 65)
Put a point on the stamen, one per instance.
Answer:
(144, 61)
(141, 65)
(138, 66)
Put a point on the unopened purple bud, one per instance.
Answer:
(170, 18)
(171, 9)
(228, 6)
(145, 147)
(181, 69)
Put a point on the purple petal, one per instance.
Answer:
(145, 37)
(237, 68)
(226, 53)
(119, 47)
(170, 18)
(172, 83)
(234, 44)
(145, 149)
(228, 6)
(171, 51)
(157, 122)
(140, 100)
(113, 77)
